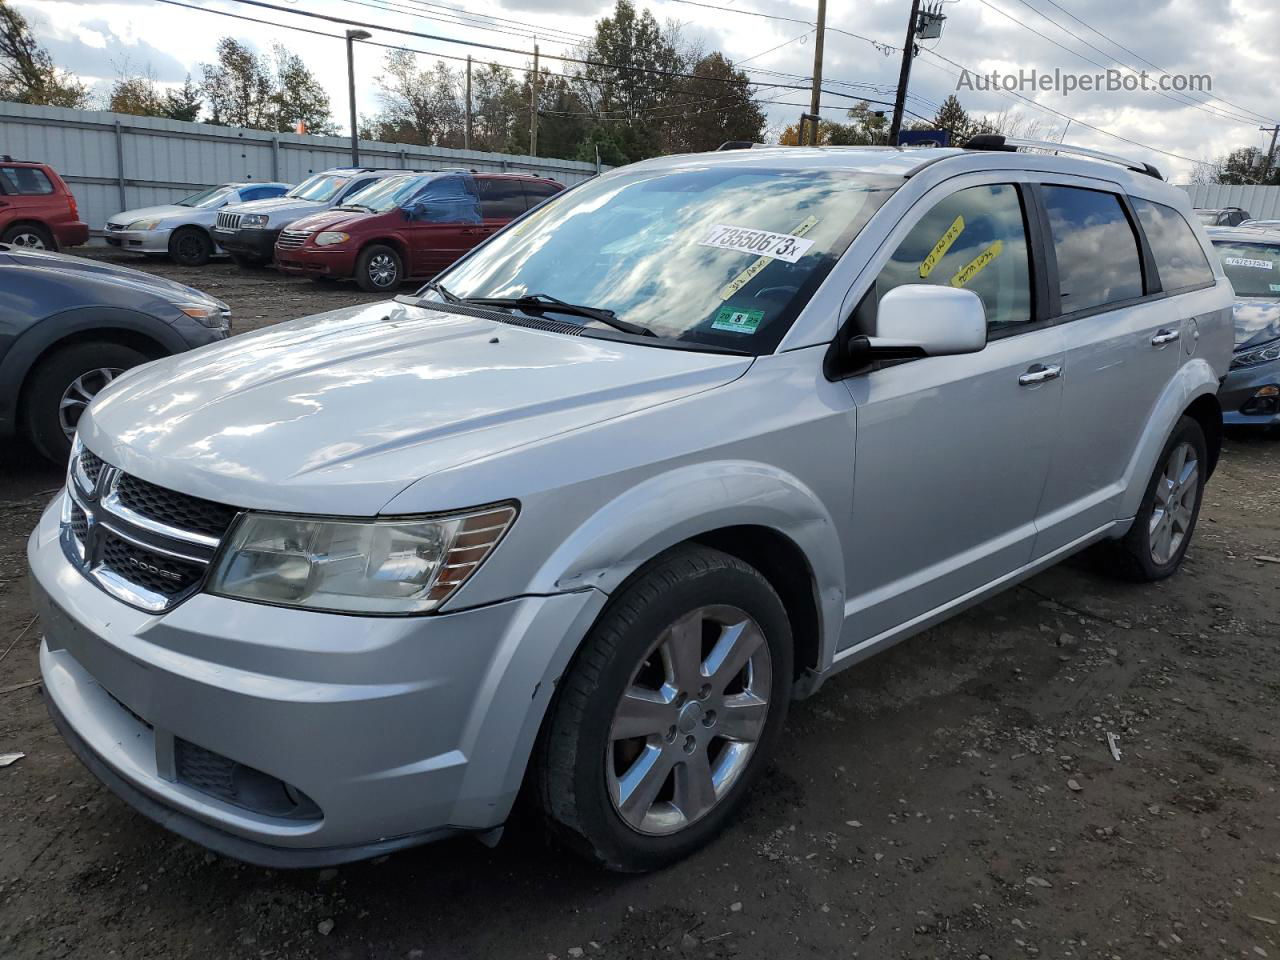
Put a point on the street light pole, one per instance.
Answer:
(353, 35)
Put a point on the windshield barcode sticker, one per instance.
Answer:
(1246, 262)
(757, 265)
(763, 243)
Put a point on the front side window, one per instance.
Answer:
(1096, 248)
(723, 254)
(975, 239)
(25, 181)
(1180, 259)
(1252, 268)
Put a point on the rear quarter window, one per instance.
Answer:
(1180, 259)
(25, 181)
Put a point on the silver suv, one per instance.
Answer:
(586, 513)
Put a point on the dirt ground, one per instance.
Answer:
(955, 797)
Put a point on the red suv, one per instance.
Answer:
(37, 211)
(404, 227)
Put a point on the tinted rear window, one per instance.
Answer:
(501, 199)
(25, 181)
(1098, 260)
(1179, 257)
(537, 191)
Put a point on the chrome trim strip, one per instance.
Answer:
(131, 593)
(112, 504)
(154, 548)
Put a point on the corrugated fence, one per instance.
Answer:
(116, 161)
(1262, 202)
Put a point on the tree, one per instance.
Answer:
(867, 127)
(135, 92)
(1246, 165)
(184, 102)
(953, 118)
(496, 103)
(27, 73)
(714, 106)
(238, 88)
(298, 96)
(426, 102)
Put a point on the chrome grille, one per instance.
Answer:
(228, 221)
(148, 546)
(292, 239)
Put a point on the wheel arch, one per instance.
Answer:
(37, 224)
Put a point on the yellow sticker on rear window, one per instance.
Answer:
(941, 247)
(749, 274)
(977, 265)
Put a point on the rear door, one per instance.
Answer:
(1122, 338)
(502, 199)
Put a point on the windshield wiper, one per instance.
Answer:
(546, 302)
(448, 295)
(354, 206)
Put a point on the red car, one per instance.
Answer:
(37, 211)
(405, 227)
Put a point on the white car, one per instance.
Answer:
(181, 230)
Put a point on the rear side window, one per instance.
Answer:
(975, 239)
(260, 193)
(1097, 251)
(25, 181)
(501, 199)
(1179, 257)
(537, 191)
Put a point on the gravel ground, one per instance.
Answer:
(955, 797)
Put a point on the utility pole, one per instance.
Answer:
(1271, 151)
(466, 133)
(533, 106)
(353, 35)
(904, 75)
(815, 99)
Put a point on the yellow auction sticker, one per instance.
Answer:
(977, 265)
(941, 247)
(749, 274)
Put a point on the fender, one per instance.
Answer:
(26, 349)
(1194, 379)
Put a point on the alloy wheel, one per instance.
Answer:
(382, 269)
(28, 241)
(690, 720)
(1177, 488)
(78, 395)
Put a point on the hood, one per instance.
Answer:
(295, 205)
(135, 281)
(339, 412)
(127, 217)
(1257, 320)
(334, 220)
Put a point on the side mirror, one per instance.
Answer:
(932, 321)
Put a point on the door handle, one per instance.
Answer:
(1040, 373)
(1164, 336)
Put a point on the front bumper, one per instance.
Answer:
(1238, 396)
(259, 244)
(316, 262)
(139, 241)
(395, 730)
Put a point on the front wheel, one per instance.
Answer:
(669, 713)
(1161, 533)
(379, 269)
(190, 247)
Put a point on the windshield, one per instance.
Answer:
(1252, 268)
(383, 195)
(213, 197)
(724, 255)
(322, 187)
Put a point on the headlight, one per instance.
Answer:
(357, 566)
(217, 318)
(1263, 354)
(143, 225)
(254, 220)
(329, 237)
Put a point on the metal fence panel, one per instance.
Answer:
(115, 161)
(1262, 202)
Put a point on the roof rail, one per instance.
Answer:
(995, 141)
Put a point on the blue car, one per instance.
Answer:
(1250, 396)
(69, 326)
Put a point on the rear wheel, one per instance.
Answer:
(379, 269)
(62, 386)
(28, 236)
(190, 247)
(1161, 533)
(669, 713)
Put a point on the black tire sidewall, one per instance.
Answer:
(1187, 431)
(20, 228)
(615, 843)
(175, 247)
(49, 379)
(362, 268)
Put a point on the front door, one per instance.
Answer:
(952, 453)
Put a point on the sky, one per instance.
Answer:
(1231, 41)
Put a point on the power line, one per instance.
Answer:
(756, 56)
(469, 20)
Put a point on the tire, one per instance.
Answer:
(75, 373)
(245, 262)
(29, 236)
(379, 269)
(587, 778)
(1144, 554)
(190, 247)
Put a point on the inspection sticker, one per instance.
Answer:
(1246, 262)
(737, 321)
(765, 243)
(977, 264)
(941, 247)
(747, 275)
(1275, 287)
